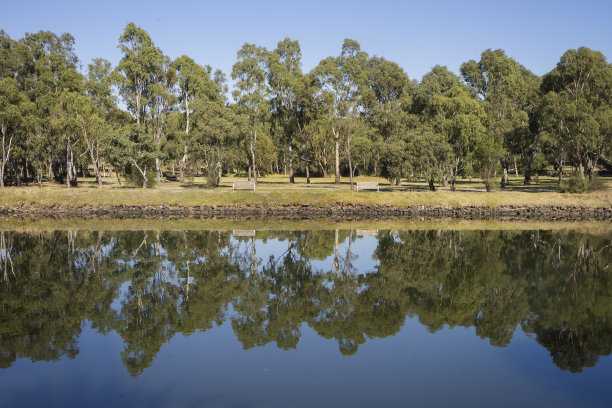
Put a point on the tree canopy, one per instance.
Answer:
(353, 113)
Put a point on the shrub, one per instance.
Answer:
(489, 184)
(577, 184)
(133, 176)
(212, 176)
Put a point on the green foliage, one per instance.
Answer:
(580, 184)
(352, 113)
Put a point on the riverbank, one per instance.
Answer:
(200, 203)
(261, 225)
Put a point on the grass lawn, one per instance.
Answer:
(542, 183)
(281, 193)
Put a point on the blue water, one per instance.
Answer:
(408, 365)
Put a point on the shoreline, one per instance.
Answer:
(343, 211)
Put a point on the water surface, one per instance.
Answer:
(332, 317)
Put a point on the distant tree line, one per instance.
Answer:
(352, 114)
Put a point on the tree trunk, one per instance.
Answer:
(183, 165)
(337, 164)
(560, 164)
(69, 163)
(432, 186)
(68, 166)
(249, 173)
(307, 174)
(589, 168)
(93, 154)
(527, 180)
(291, 175)
(336, 264)
(5, 156)
(158, 169)
(515, 168)
(49, 169)
(186, 114)
(504, 180)
(253, 144)
(348, 155)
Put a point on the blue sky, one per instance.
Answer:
(416, 35)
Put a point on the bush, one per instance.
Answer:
(489, 184)
(212, 176)
(133, 176)
(577, 184)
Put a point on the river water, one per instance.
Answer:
(303, 318)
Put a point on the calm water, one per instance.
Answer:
(355, 318)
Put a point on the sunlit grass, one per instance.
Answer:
(279, 181)
(94, 197)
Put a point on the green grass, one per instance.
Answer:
(94, 197)
(276, 181)
(276, 191)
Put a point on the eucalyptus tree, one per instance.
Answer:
(438, 81)
(216, 130)
(387, 100)
(90, 125)
(284, 74)
(74, 119)
(14, 109)
(13, 101)
(251, 92)
(434, 86)
(140, 58)
(220, 80)
(341, 80)
(459, 117)
(99, 83)
(577, 106)
(132, 151)
(505, 86)
(47, 69)
(387, 96)
(194, 83)
(161, 101)
(99, 111)
(307, 114)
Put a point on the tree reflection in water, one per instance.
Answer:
(149, 285)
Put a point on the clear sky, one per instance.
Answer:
(416, 35)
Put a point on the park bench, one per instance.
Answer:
(363, 233)
(367, 185)
(244, 233)
(243, 185)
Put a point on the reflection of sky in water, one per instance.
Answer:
(413, 367)
(362, 249)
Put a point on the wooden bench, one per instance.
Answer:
(243, 185)
(363, 233)
(243, 233)
(367, 185)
